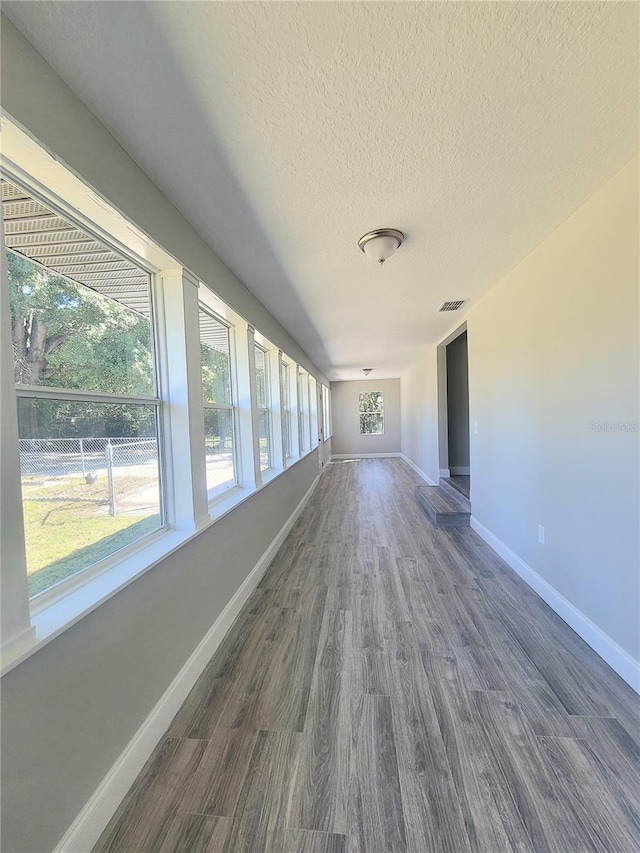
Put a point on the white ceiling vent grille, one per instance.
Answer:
(454, 305)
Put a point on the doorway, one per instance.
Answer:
(453, 393)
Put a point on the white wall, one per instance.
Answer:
(553, 349)
(419, 414)
(346, 418)
(70, 710)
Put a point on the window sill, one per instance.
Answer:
(270, 474)
(221, 492)
(54, 618)
(51, 618)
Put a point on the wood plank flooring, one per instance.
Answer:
(391, 687)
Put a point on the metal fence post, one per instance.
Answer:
(108, 451)
(84, 472)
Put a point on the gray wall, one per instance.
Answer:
(554, 388)
(458, 404)
(70, 709)
(346, 419)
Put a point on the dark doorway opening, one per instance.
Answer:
(458, 413)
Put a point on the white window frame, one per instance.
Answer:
(176, 294)
(326, 412)
(27, 625)
(313, 412)
(379, 412)
(264, 410)
(216, 492)
(287, 420)
(294, 401)
(303, 411)
(64, 587)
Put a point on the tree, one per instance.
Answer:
(215, 375)
(66, 335)
(216, 388)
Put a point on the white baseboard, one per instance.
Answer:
(445, 472)
(457, 470)
(101, 806)
(418, 471)
(339, 456)
(618, 659)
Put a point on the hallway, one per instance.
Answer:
(389, 687)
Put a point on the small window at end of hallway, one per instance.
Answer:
(371, 407)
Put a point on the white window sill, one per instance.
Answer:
(54, 618)
(221, 492)
(270, 474)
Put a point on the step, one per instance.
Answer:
(442, 508)
(456, 490)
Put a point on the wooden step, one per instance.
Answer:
(442, 508)
(453, 488)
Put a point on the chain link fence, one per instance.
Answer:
(122, 471)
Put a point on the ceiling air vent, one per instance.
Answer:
(453, 305)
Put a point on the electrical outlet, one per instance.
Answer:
(541, 539)
(475, 426)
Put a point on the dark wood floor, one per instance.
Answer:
(392, 687)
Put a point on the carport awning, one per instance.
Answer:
(42, 235)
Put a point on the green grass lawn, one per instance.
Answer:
(65, 536)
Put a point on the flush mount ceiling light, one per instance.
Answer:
(381, 244)
(367, 370)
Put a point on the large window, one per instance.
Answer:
(217, 397)
(326, 413)
(103, 331)
(303, 409)
(313, 412)
(285, 379)
(83, 359)
(371, 407)
(262, 400)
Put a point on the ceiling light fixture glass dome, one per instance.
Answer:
(381, 244)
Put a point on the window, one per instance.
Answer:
(88, 412)
(219, 414)
(285, 379)
(103, 331)
(303, 409)
(262, 401)
(313, 412)
(371, 406)
(326, 411)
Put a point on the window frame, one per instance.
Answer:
(175, 295)
(326, 412)
(379, 412)
(265, 410)
(287, 422)
(313, 412)
(303, 411)
(217, 492)
(64, 587)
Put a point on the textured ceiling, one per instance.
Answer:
(284, 131)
